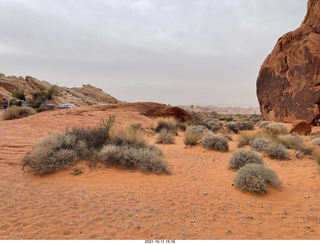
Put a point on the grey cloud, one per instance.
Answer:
(178, 52)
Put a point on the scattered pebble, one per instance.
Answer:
(307, 196)
(205, 193)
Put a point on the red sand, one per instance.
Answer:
(197, 201)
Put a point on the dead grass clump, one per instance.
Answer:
(17, 112)
(263, 123)
(128, 136)
(215, 142)
(316, 155)
(276, 151)
(142, 159)
(194, 134)
(169, 123)
(274, 129)
(182, 126)
(255, 178)
(260, 144)
(242, 157)
(165, 137)
(232, 127)
(246, 139)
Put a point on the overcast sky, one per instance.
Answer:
(169, 51)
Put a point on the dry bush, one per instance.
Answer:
(182, 126)
(263, 123)
(17, 112)
(276, 151)
(316, 155)
(260, 144)
(246, 139)
(243, 125)
(142, 159)
(95, 138)
(215, 142)
(55, 152)
(165, 137)
(128, 136)
(191, 139)
(242, 157)
(315, 141)
(295, 142)
(275, 129)
(232, 127)
(169, 123)
(255, 178)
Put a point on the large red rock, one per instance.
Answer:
(301, 127)
(288, 85)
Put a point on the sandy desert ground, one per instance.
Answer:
(198, 201)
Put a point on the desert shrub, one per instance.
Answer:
(137, 127)
(260, 144)
(263, 123)
(169, 123)
(215, 142)
(255, 178)
(276, 151)
(94, 138)
(182, 126)
(18, 94)
(17, 112)
(242, 157)
(315, 141)
(232, 127)
(295, 142)
(55, 152)
(142, 159)
(128, 136)
(165, 137)
(246, 139)
(243, 125)
(43, 108)
(299, 154)
(316, 155)
(274, 129)
(211, 124)
(191, 139)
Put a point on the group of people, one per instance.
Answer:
(5, 104)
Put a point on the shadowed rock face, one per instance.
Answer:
(288, 85)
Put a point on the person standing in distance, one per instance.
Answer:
(5, 104)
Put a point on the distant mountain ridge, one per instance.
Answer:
(221, 110)
(80, 96)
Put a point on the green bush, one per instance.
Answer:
(215, 142)
(17, 112)
(255, 178)
(242, 157)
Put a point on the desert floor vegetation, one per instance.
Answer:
(216, 142)
(125, 148)
(242, 157)
(14, 112)
(165, 137)
(168, 123)
(256, 178)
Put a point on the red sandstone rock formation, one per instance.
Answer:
(288, 85)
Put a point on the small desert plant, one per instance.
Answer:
(246, 139)
(128, 136)
(255, 178)
(169, 123)
(263, 123)
(182, 126)
(290, 141)
(191, 139)
(274, 129)
(165, 137)
(276, 151)
(137, 127)
(17, 112)
(260, 144)
(243, 125)
(142, 159)
(316, 155)
(232, 127)
(19, 94)
(55, 152)
(215, 142)
(242, 157)
(315, 141)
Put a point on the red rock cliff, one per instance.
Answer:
(288, 85)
